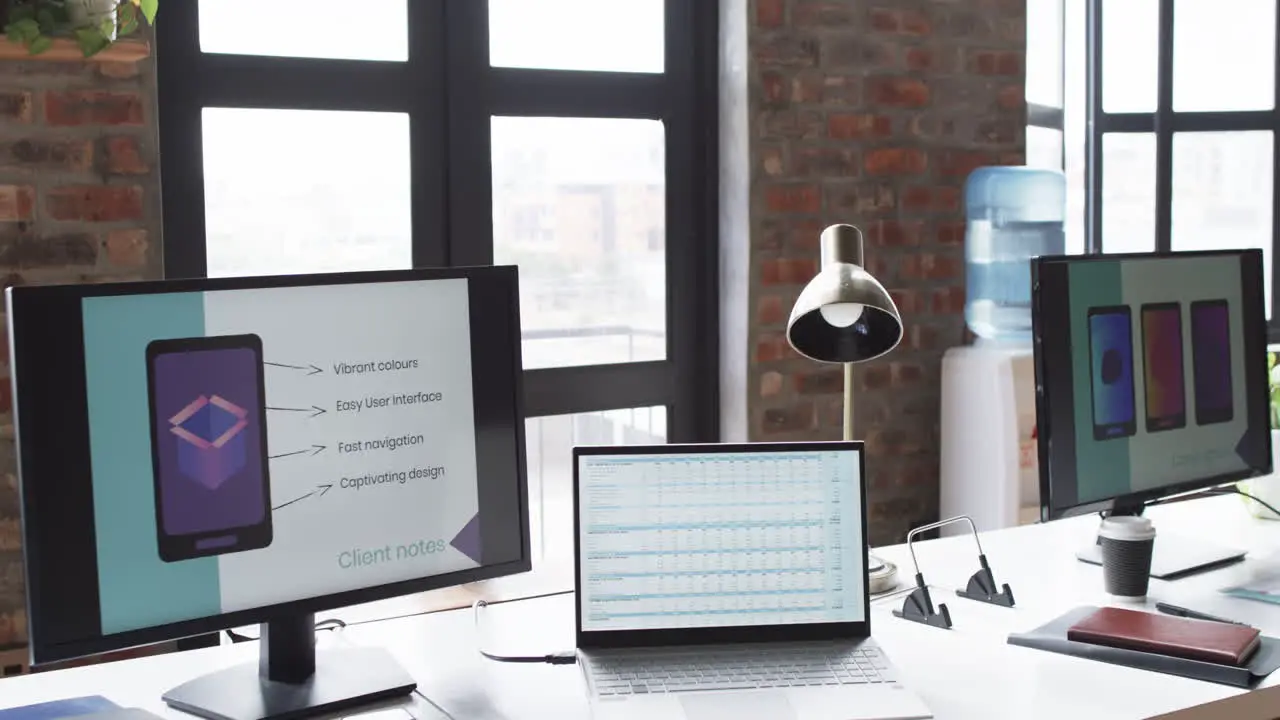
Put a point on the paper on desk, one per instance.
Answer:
(1263, 584)
(54, 709)
(1257, 705)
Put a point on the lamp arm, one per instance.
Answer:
(848, 401)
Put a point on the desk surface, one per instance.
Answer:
(966, 672)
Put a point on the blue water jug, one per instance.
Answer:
(1012, 214)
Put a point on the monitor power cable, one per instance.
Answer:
(328, 624)
(1235, 490)
(1212, 492)
(567, 657)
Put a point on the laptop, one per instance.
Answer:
(728, 582)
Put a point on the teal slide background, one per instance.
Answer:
(1102, 468)
(136, 588)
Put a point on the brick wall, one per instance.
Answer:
(872, 113)
(79, 202)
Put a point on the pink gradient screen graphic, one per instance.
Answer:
(211, 442)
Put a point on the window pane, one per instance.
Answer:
(306, 28)
(549, 442)
(1130, 37)
(1074, 123)
(1044, 52)
(289, 191)
(1224, 55)
(579, 205)
(1044, 147)
(1222, 185)
(1128, 192)
(613, 35)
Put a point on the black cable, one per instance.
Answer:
(328, 624)
(566, 657)
(1234, 490)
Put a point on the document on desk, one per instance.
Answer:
(1263, 585)
(717, 540)
(55, 709)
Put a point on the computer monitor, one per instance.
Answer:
(196, 455)
(1151, 381)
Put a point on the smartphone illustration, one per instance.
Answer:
(1211, 358)
(1163, 374)
(1111, 372)
(209, 446)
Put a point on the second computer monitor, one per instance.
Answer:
(1151, 376)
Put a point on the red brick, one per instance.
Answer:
(771, 347)
(92, 107)
(118, 70)
(124, 157)
(808, 87)
(15, 106)
(785, 50)
(803, 235)
(866, 199)
(24, 251)
(797, 418)
(822, 14)
(948, 300)
(841, 90)
(773, 88)
(771, 160)
(898, 92)
(793, 199)
(923, 337)
(1011, 97)
(17, 202)
(959, 163)
(792, 123)
(891, 442)
(895, 161)
(906, 22)
(820, 382)
(951, 233)
(989, 62)
(925, 198)
(893, 233)
(919, 59)
(930, 266)
(875, 376)
(884, 20)
(6, 395)
(42, 154)
(770, 383)
(998, 131)
(770, 13)
(826, 162)
(95, 203)
(914, 22)
(858, 126)
(906, 373)
(855, 51)
(907, 300)
(787, 271)
(126, 248)
(771, 311)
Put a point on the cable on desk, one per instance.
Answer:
(328, 624)
(568, 657)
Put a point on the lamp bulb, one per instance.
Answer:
(841, 315)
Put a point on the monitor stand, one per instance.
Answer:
(291, 680)
(1172, 556)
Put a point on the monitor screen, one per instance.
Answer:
(199, 451)
(714, 539)
(1151, 376)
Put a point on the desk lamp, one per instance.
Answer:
(844, 315)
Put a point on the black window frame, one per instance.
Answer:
(1163, 122)
(449, 91)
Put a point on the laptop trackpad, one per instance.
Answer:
(752, 705)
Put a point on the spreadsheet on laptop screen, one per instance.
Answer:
(720, 539)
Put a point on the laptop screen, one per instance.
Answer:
(720, 539)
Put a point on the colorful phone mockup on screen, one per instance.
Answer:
(1111, 372)
(1163, 376)
(1211, 358)
(209, 446)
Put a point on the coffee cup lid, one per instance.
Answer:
(1127, 527)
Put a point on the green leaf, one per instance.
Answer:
(91, 41)
(128, 26)
(14, 35)
(149, 9)
(45, 19)
(28, 29)
(40, 44)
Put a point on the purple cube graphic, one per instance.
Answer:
(210, 438)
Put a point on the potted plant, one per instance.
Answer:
(93, 24)
(1267, 489)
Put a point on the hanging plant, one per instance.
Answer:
(93, 24)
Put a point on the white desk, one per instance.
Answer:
(968, 672)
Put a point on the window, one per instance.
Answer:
(570, 139)
(1181, 110)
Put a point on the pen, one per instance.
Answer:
(1168, 609)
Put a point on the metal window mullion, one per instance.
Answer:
(1093, 129)
(1164, 129)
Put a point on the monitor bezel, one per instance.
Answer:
(43, 652)
(604, 639)
(1123, 503)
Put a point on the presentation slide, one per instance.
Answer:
(1157, 373)
(254, 447)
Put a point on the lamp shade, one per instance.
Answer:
(844, 315)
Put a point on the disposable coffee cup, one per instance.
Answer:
(1126, 544)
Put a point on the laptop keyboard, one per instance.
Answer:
(735, 668)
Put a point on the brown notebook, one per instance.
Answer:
(1203, 640)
